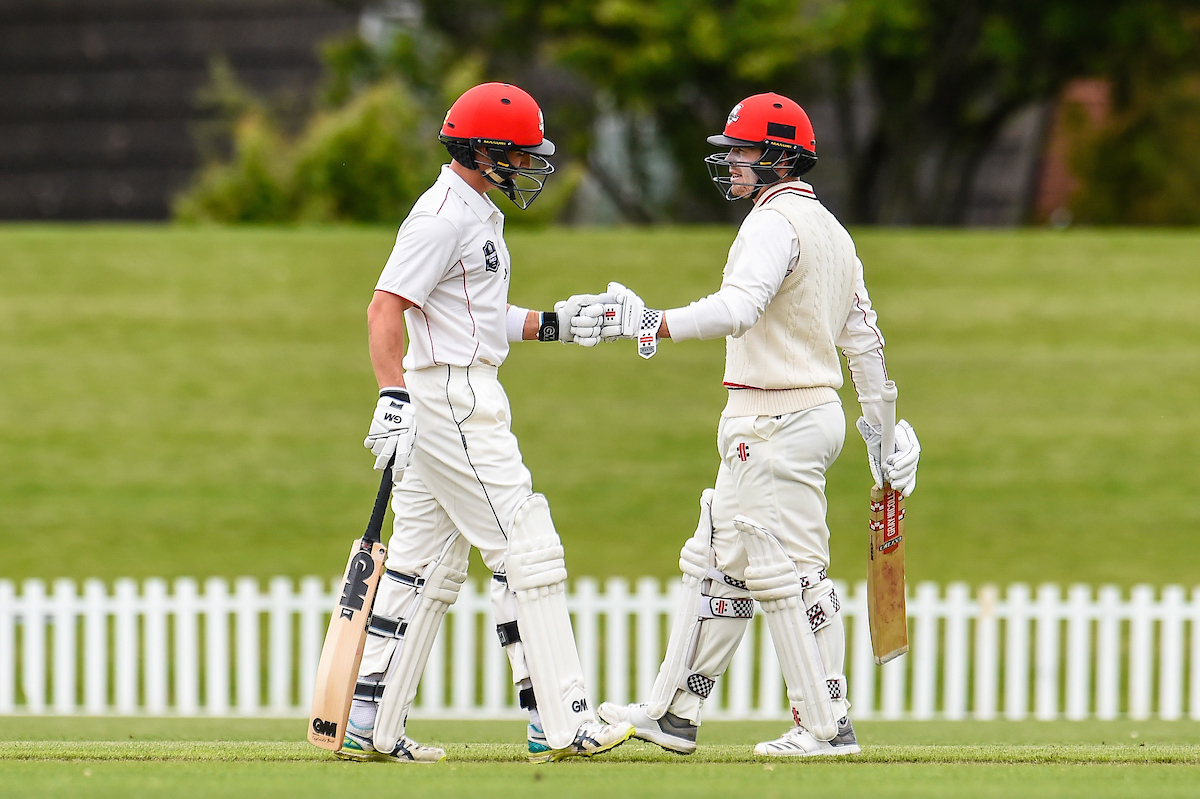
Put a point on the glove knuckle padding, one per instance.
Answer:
(709, 623)
(442, 580)
(537, 575)
(788, 599)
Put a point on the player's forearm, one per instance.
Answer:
(385, 337)
(522, 324)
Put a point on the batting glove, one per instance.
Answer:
(393, 430)
(900, 470)
(580, 317)
(632, 319)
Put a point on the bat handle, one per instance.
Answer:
(888, 445)
(375, 526)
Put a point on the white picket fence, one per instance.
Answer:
(147, 650)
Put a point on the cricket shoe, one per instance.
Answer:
(356, 746)
(591, 738)
(671, 732)
(799, 742)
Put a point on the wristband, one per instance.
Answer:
(514, 322)
(395, 392)
(547, 326)
(647, 336)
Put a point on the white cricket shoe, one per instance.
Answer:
(591, 738)
(360, 747)
(799, 742)
(671, 732)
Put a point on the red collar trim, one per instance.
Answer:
(803, 189)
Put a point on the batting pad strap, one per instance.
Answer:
(822, 610)
(647, 336)
(385, 627)
(508, 633)
(810, 579)
(699, 685)
(368, 691)
(724, 607)
(721, 577)
(404, 579)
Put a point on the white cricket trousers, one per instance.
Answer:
(466, 473)
(773, 470)
(466, 478)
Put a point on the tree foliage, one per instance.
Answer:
(920, 90)
(939, 77)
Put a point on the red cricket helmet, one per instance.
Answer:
(492, 119)
(773, 123)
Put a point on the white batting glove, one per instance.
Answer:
(630, 318)
(393, 430)
(901, 467)
(579, 318)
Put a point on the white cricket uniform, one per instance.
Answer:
(773, 464)
(466, 475)
(783, 426)
(450, 261)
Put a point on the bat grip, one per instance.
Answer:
(888, 445)
(375, 526)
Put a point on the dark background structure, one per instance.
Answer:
(99, 98)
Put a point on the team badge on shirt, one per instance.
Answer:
(491, 261)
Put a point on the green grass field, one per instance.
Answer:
(234, 757)
(193, 400)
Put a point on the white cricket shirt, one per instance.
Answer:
(451, 263)
(765, 252)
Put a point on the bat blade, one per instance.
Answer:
(885, 576)
(341, 654)
(342, 651)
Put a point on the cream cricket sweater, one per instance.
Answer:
(788, 360)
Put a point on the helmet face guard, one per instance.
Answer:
(766, 169)
(521, 184)
(776, 126)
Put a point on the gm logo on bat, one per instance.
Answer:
(322, 727)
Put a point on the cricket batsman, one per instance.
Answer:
(792, 293)
(444, 417)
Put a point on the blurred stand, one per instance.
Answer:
(98, 98)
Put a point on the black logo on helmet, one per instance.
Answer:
(491, 261)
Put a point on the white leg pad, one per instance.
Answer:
(442, 579)
(709, 623)
(537, 574)
(779, 587)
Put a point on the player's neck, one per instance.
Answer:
(473, 177)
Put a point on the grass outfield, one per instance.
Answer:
(192, 401)
(159, 757)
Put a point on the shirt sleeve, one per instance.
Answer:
(862, 344)
(765, 250)
(424, 251)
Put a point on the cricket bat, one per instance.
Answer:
(885, 567)
(346, 637)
